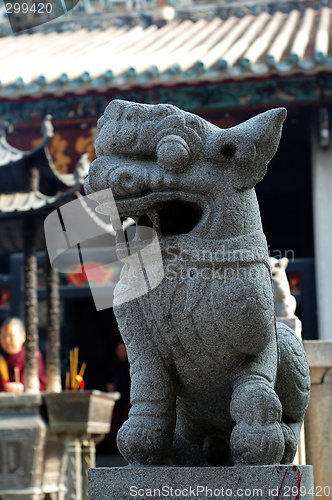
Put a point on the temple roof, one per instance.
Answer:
(278, 44)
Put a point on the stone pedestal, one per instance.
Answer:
(318, 420)
(54, 470)
(264, 482)
(22, 440)
(79, 419)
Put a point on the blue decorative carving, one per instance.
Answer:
(223, 96)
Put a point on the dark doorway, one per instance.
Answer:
(95, 333)
(285, 200)
(284, 194)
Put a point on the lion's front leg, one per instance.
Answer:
(146, 438)
(257, 437)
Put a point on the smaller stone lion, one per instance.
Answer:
(284, 302)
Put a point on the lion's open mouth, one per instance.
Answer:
(167, 213)
(171, 218)
(166, 219)
(159, 213)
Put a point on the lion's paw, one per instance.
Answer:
(257, 444)
(255, 402)
(142, 444)
(257, 436)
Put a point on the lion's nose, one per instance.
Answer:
(124, 180)
(173, 154)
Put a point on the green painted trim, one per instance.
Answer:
(215, 96)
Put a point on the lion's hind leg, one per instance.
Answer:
(292, 387)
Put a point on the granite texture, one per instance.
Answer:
(264, 482)
(214, 379)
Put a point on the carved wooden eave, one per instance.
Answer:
(30, 185)
(16, 168)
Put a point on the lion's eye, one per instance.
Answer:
(228, 150)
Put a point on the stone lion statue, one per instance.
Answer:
(214, 379)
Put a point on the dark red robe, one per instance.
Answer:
(14, 360)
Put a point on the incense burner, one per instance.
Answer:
(214, 379)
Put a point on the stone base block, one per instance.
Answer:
(279, 482)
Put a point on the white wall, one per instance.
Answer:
(322, 213)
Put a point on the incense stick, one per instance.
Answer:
(79, 377)
(71, 358)
(74, 380)
(75, 364)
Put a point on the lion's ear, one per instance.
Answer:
(246, 149)
(283, 263)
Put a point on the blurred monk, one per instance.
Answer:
(12, 339)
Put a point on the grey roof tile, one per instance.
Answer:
(84, 60)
